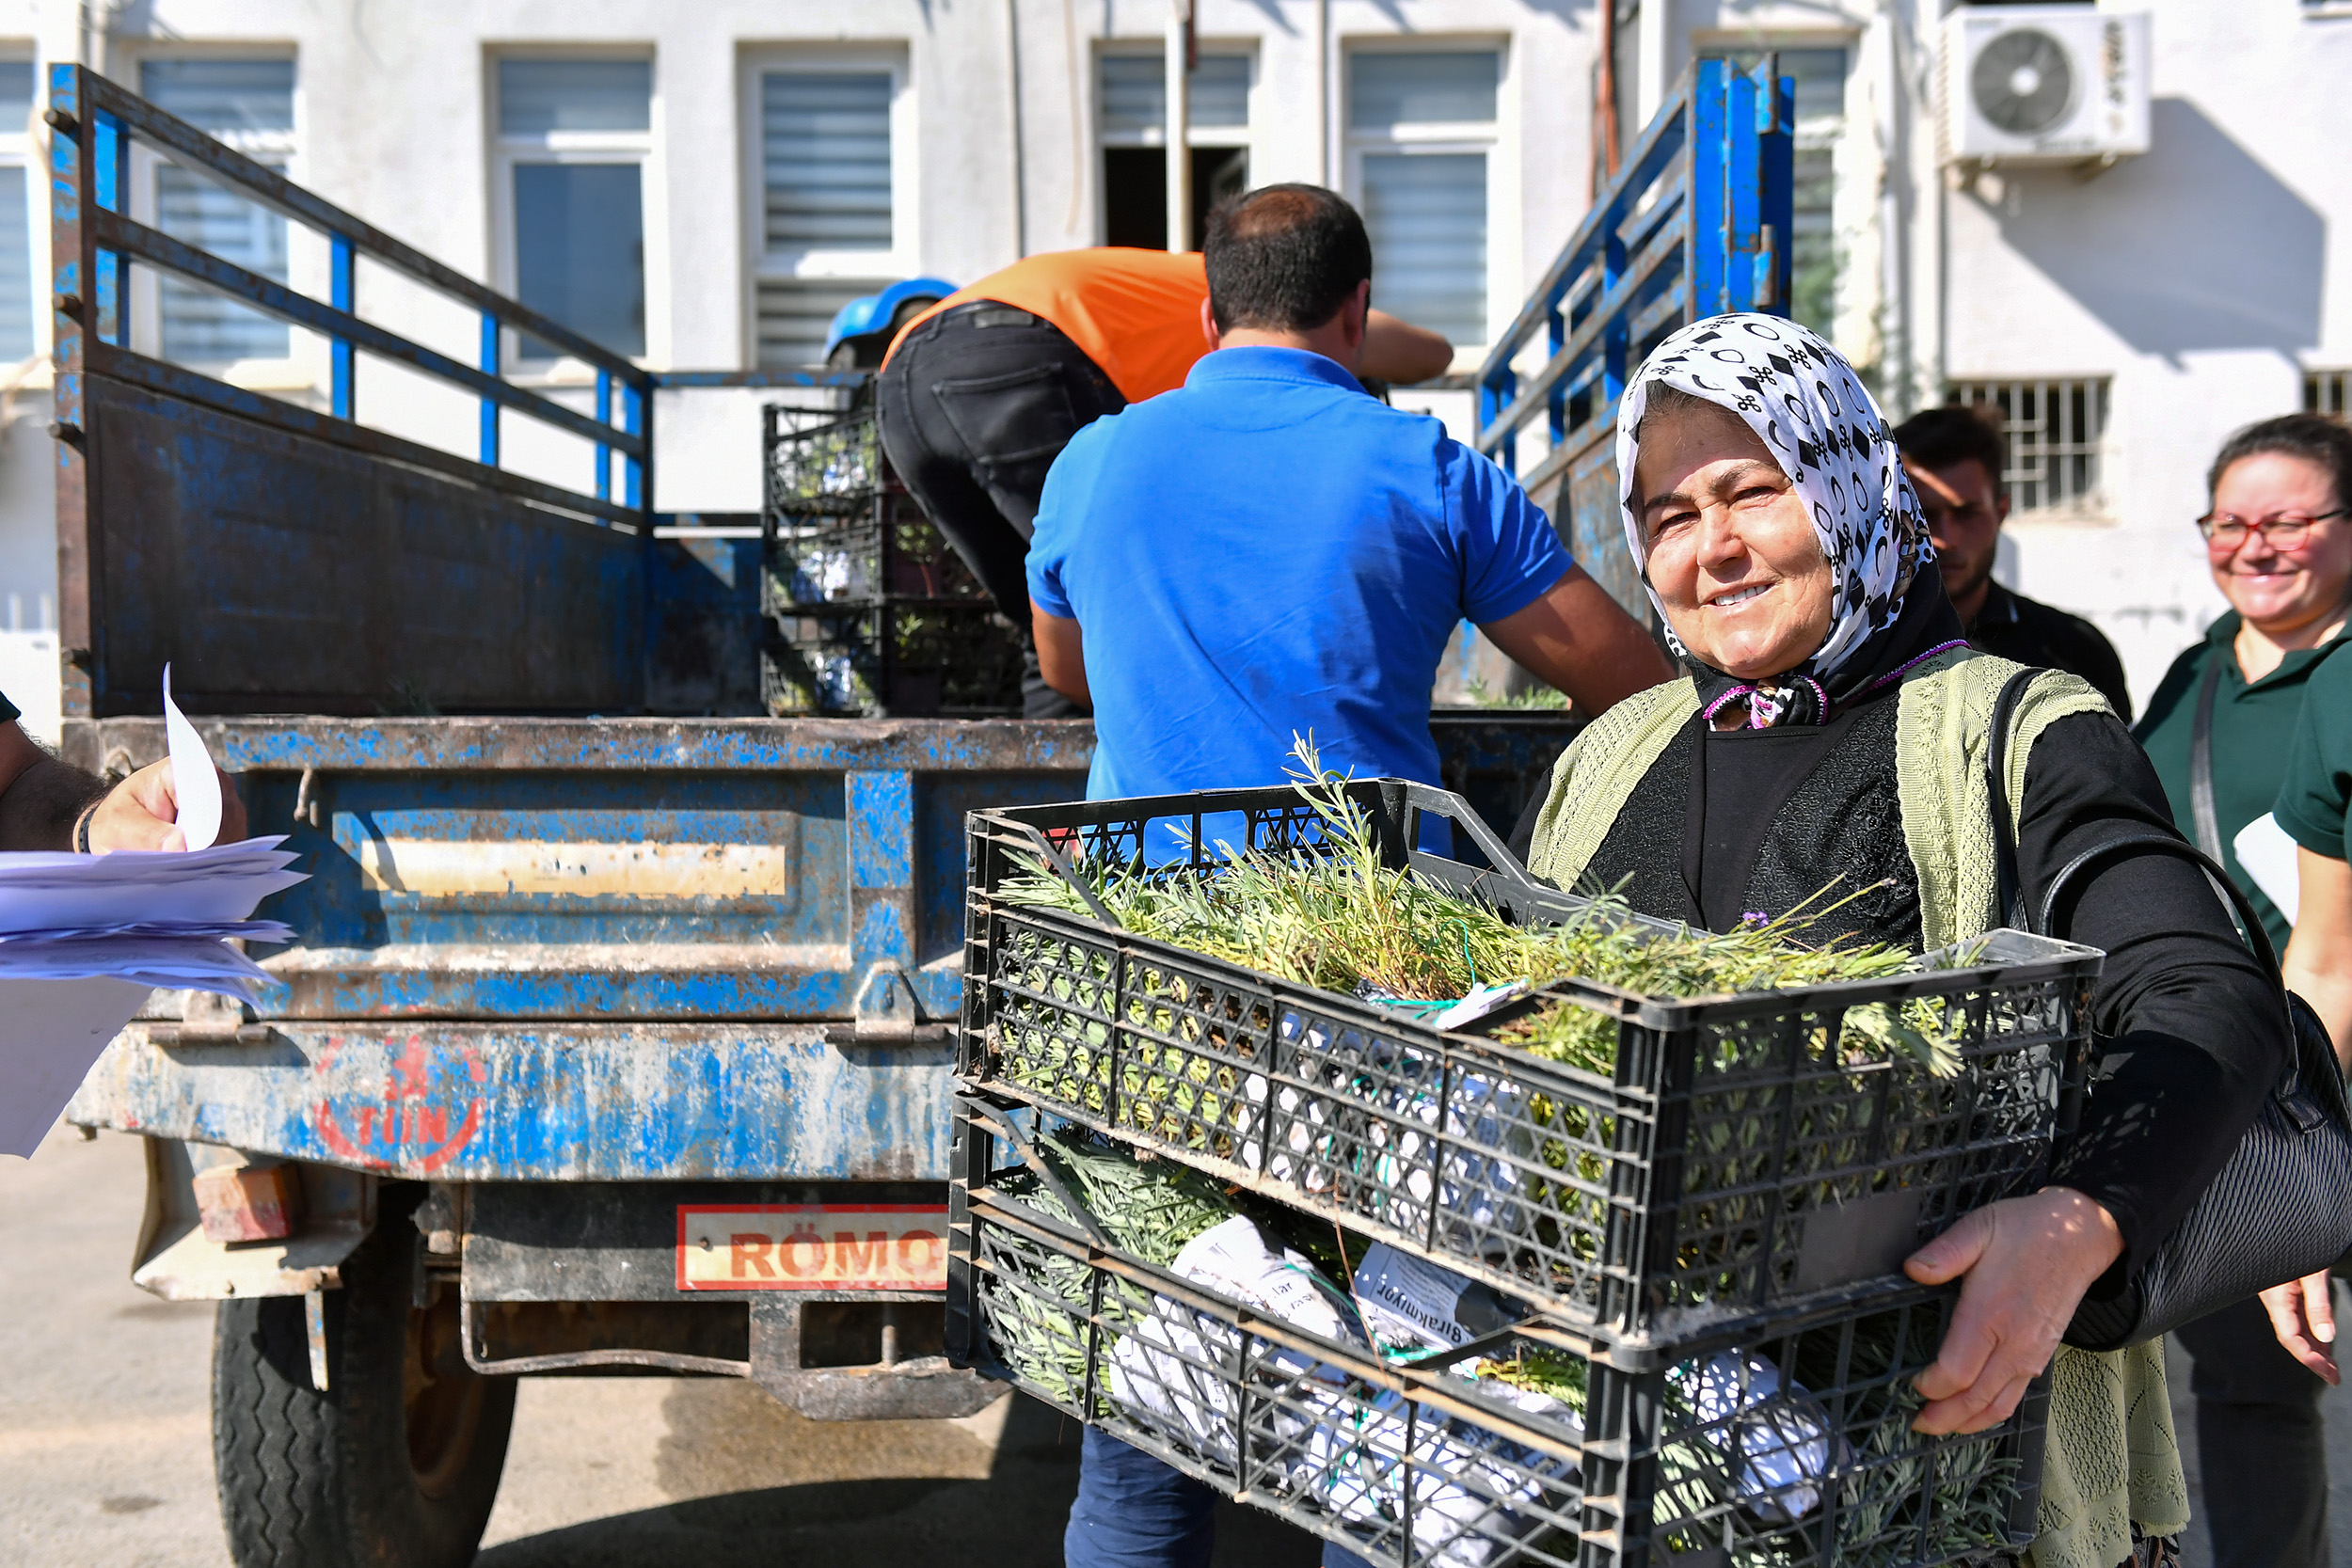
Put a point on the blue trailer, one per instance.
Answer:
(617, 1034)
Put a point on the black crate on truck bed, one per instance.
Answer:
(887, 554)
(1732, 1173)
(822, 462)
(893, 661)
(873, 613)
(1792, 1450)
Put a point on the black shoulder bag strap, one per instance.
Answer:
(2274, 1212)
(2011, 894)
(2201, 760)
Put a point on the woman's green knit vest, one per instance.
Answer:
(2112, 1457)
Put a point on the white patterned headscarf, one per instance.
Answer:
(1823, 427)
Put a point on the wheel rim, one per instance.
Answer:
(443, 1396)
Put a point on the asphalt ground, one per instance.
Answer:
(105, 1450)
(105, 1437)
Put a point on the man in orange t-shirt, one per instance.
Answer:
(978, 395)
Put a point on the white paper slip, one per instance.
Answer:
(1481, 1001)
(195, 783)
(2268, 855)
(51, 1031)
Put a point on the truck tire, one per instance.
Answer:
(396, 1463)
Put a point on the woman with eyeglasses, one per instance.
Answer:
(2279, 541)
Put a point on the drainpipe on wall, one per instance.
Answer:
(1080, 162)
(1020, 180)
(1323, 94)
(1178, 125)
(1606, 106)
(1898, 375)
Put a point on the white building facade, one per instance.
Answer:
(702, 186)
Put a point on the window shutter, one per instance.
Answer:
(1385, 90)
(1427, 215)
(16, 267)
(230, 100)
(540, 97)
(1134, 97)
(825, 160)
(795, 315)
(248, 105)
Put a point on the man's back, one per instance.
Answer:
(1268, 551)
(1135, 313)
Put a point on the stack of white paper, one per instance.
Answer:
(84, 938)
(158, 916)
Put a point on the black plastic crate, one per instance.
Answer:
(1732, 1175)
(821, 462)
(872, 613)
(1789, 1451)
(887, 554)
(839, 528)
(893, 661)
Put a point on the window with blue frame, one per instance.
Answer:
(247, 105)
(573, 139)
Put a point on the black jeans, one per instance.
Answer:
(975, 406)
(2260, 1443)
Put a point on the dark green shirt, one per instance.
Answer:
(2254, 728)
(9, 712)
(2317, 798)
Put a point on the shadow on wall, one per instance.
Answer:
(2195, 245)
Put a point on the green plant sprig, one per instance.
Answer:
(1337, 918)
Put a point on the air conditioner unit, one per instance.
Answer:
(2044, 84)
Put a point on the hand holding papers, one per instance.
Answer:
(177, 804)
(84, 938)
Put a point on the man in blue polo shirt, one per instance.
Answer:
(1267, 553)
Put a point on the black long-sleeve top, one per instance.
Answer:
(1733, 824)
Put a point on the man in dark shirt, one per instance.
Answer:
(1953, 456)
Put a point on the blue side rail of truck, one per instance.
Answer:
(599, 971)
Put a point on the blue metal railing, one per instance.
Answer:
(95, 121)
(1695, 223)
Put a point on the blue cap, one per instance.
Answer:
(874, 312)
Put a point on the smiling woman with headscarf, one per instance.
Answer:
(1832, 729)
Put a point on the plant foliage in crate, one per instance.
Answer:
(1738, 1160)
(1795, 1450)
(840, 528)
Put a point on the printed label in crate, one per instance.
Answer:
(812, 1246)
